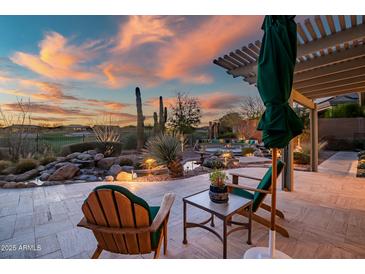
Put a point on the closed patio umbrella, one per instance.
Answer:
(279, 122)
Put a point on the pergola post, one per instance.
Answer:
(362, 98)
(314, 138)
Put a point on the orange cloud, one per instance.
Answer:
(183, 57)
(220, 100)
(140, 30)
(120, 75)
(214, 101)
(57, 58)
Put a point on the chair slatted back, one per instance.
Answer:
(110, 208)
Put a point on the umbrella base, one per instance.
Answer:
(264, 253)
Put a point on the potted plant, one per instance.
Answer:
(218, 192)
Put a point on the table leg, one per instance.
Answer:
(225, 238)
(212, 221)
(249, 225)
(184, 214)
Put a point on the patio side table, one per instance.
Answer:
(223, 211)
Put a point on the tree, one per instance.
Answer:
(252, 108)
(17, 129)
(230, 119)
(185, 114)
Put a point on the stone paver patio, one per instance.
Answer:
(325, 217)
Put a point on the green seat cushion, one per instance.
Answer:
(265, 184)
(155, 236)
(242, 193)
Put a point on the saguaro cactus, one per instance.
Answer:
(140, 120)
(155, 123)
(161, 115)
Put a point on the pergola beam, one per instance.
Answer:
(335, 84)
(329, 70)
(302, 100)
(345, 87)
(335, 93)
(349, 74)
(322, 62)
(354, 33)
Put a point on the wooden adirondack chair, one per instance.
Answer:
(124, 223)
(258, 195)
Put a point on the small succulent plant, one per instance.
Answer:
(218, 178)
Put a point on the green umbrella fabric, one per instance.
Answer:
(278, 52)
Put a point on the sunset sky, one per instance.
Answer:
(76, 69)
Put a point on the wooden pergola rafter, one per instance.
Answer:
(324, 59)
(330, 62)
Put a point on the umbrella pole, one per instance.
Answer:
(273, 202)
(270, 252)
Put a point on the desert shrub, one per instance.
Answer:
(130, 141)
(213, 163)
(46, 160)
(107, 148)
(166, 149)
(24, 165)
(126, 162)
(138, 166)
(247, 150)
(4, 153)
(4, 165)
(345, 111)
(301, 158)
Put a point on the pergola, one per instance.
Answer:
(330, 62)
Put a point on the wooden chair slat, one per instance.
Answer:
(142, 220)
(109, 208)
(100, 219)
(90, 218)
(127, 220)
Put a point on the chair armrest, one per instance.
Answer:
(245, 176)
(164, 211)
(249, 188)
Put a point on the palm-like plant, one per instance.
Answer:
(166, 149)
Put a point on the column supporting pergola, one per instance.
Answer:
(314, 139)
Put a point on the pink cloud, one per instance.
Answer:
(139, 30)
(214, 101)
(57, 58)
(183, 57)
(181, 54)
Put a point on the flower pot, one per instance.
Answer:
(218, 194)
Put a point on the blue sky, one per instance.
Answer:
(77, 69)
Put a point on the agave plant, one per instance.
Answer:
(166, 149)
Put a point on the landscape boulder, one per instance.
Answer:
(30, 174)
(98, 156)
(10, 177)
(44, 176)
(87, 178)
(84, 156)
(73, 155)
(127, 168)
(106, 163)
(114, 170)
(65, 172)
(109, 178)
